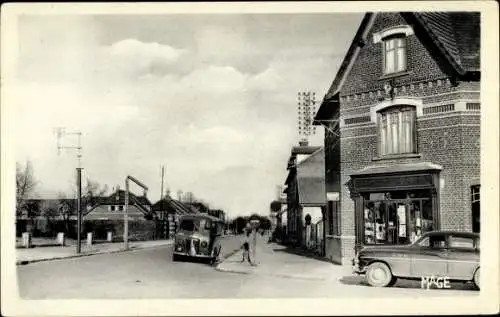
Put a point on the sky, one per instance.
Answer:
(211, 97)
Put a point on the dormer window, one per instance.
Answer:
(394, 54)
(393, 42)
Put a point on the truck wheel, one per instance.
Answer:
(379, 275)
(476, 278)
(175, 257)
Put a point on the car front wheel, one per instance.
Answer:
(476, 278)
(379, 275)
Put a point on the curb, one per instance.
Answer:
(289, 276)
(25, 262)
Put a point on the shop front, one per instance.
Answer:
(395, 204)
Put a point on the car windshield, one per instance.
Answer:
(187, 225)
(196, 225)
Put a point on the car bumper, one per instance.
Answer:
(197, 255)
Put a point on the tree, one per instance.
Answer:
(25, 184)
(275, 206)
(239, 224)
(92, 190)
(49, 208)
(66, 210)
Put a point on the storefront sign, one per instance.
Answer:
(394, 182)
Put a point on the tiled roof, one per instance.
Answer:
(456, 35)
(173, 206)
(118, 198)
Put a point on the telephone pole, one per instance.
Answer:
(162, 175)
(61, 132)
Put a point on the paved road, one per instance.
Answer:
(150, 273)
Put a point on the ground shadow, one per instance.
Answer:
(360, 280)
(301, 252)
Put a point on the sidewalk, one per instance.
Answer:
(25, 256)
(275, 260)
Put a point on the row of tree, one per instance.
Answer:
(62, 207)
(239, 224)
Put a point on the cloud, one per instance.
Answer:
(219, 108)
(135, 58)
(269, 80)
(214, 79)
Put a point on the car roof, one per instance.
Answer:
(199, 216)
(454, 233)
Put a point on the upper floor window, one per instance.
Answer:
(394, 54)
(397, 132)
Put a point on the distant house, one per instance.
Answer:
(217, 213)
(112, 207)
(305, 190)
(169, 210)
(41, 216)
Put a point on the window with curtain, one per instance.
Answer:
(397, 132)
(394, 54)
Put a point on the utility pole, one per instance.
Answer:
(61, 132)
(162, 175)
(125, 214)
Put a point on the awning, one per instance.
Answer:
(311, 180)
(397, 168)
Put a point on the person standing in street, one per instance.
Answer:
(246, 247)
(253, 245)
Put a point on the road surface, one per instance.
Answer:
(151, 274)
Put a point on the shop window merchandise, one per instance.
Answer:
(398, 217)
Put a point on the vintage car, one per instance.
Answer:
(198, 236)
(446, 254)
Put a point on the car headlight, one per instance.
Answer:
(204, 244)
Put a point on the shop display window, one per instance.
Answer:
(397, 217)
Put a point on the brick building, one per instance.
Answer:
(402, 123)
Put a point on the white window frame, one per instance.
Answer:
(396, 32)
(390, 122)
(400, 56)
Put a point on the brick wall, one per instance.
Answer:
(445, 138)
(367, 70)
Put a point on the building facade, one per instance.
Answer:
(305, 192)
(408, 102)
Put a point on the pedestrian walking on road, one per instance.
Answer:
(246, 247)
(253, 246)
